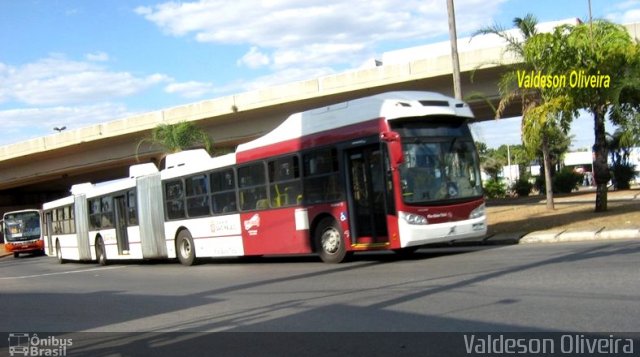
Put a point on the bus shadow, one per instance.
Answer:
(426, 252)
(370, 256)
(329, 309)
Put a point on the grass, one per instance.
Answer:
(575, 211)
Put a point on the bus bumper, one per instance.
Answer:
(23, 247)
(417, 234)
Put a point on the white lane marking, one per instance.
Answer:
(60, 273)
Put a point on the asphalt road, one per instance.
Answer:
(580, 287)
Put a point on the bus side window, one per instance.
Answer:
(94, 214)
(198, 196)
(132, 215)
(223, 192)
(321, 177)
(106, 206)
(252, 190)
(174, 199)
(69, 226)
(284, 178)
(57, 229)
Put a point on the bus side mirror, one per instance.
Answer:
(395, 147)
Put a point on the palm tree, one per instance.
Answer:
(177, 137)
(535, 125)
(605, 48)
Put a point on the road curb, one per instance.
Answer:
(557, 236)
(504, 238)
(548, 236)
(631, 233)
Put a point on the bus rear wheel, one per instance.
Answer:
(101, 256)
(328, 241)
(185, 250)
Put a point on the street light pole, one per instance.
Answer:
(509, 163)
(453, 38)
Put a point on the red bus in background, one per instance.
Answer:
(23, 232)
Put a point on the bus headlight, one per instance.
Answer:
(413, 218)
(478, 212)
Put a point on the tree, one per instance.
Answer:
(490, 162)
(535, 124)
(557, 144)
(177, 137)
(620, 144)
(516, 155)
(601, 64)
(603, 48)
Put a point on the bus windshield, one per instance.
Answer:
(21, 226)
(440, 162)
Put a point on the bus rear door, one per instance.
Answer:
(122, 236)
(48, 221)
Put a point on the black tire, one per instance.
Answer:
(59, 253)
(329, 242)
(16, 254)
(101, 255)
(185, 250)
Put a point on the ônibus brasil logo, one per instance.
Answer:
(25, 344)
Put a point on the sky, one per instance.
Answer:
(76, 63)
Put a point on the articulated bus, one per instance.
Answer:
(393, 171)
(108, 219)
(22, 231)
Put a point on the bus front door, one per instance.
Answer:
(48, 219)
(122, 237)
(367, 195)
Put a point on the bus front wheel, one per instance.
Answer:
(185, 248)
(328, 241)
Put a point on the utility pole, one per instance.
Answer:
(453, 38)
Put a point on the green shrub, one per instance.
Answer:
(540, 185)
(622, 175)
(566, 180)
(494, 189)
(522, 187)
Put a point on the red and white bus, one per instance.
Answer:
(22, 231)
(392, 171)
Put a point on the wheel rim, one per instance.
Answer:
(185, 248)
(331, 241)
(58, 252)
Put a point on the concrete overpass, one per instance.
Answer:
(44, 168)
